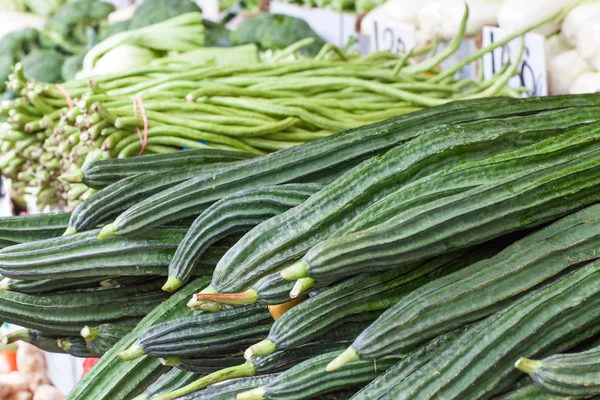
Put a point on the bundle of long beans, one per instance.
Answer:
(53, 130)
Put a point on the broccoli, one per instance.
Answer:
(13, 47)
(66, 30)
(276, 32)
(151, 12)
(216, 35)
(43, 65)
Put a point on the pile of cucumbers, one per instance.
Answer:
(450, 253)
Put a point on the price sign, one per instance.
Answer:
(392, 36)
(532, 68)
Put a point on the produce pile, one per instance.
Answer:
(417, 257)
(51, 132)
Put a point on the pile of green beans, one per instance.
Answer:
(257, 108)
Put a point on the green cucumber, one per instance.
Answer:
(101, 173)
(318, 156)
(66, 313)
(115, 379)
(39, 339)
(532, 392)
(271, 244)
(479, 364)
(101, 338)
(76, 346)
(204, 365)
(307, 380)
(234, 213)
(119, 196)
(46, 286)
(203, 334)
(571, 374)
(403, 368)
(229, 389)
(447, 303)
(82, 255)
(29, 228)
(169, 381)
(324, 311)
(525, 199)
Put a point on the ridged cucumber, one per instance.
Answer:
(307, 380)
(66, 313)
(446, 303)
(35, 337)
(101, 338)
(82, 255)
(324, 311)
(45, 286)
(234, 213)
(318, 156)
(525, 199)
(571, 374)
(271, 244)
(479, 364)
(204, 365)
(119, 196)
(203, 334)
(76, 346)
(29, 228)
(169, 381)
(532, 392)
(101, 173)
(115, 379)
(229, 389)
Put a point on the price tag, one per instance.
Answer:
(532, 68)
(392, 36)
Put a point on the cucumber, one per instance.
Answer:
(204, 365)
(271, 244)
(447, 303)
(119, 196)
(204, 334)
(229, 389)
(29, 228)
(82, 255)
(479, 364)
(403, 368)
(571, 374)
(532, 392)
(64, 314)
(101, 173)
(115, 379)
(38, 338)
(318, 156)
(526, 199)
(76, 347)
(324, 311)
(234, 213)
(46, 286)
(101, 338)
(169, 381)
(306, 380)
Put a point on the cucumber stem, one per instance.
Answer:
(170, 361)
(301, 286)
(296, 271)
(89, 334)
(70, 231)
(261, 348)
(528, 366)
(20, 334)
(108, 231)
(239, 371)
(254, 394)
(5, 284)
(346, 357)
(131, 353)
(244, 298)
(210, 307)
(172, 284)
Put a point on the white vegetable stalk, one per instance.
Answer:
(555, 45)
(588, 41)
(404, 11)
(588, 82)
(564, 69)
(443, 17)
(515, 15)
(578, 18)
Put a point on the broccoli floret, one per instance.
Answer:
(276, 32)
(13, 47)
(72, 66)
(151, 12)
(66, 29)
(43, 65)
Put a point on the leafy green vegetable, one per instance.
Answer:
(13, 47)
(44, 8)
(276, 31)
(125, 57)
(115, 28)
(72, 66)
(216, 35)
(66, 29)
(43, 65)
(151, 12)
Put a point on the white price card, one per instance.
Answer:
(392, 36)
(532, 69)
